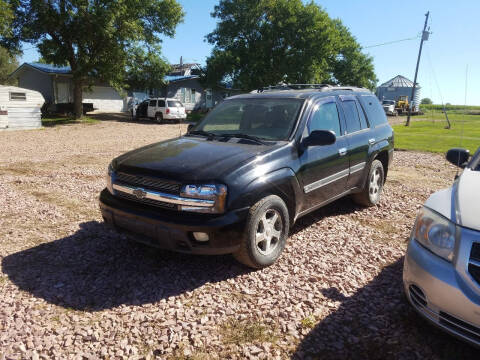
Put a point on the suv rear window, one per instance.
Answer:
(375, 113)
(174, 104)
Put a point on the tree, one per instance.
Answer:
(94, 37)
(264, 42)
(6, 18)
(145, 69)
(8, 64)
(426, 101)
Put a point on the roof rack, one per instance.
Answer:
(349, 88)
(291, 87)
(320, 87)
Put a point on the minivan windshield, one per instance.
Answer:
(263, 118)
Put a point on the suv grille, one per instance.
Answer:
(146, 201)
(148, 182)
(473, 266)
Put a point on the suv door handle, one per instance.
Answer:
(371, 141)
(342, 151)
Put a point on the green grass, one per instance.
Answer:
(65, 120)
(428, 133)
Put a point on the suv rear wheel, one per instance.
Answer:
(372, 190)
(266, 233)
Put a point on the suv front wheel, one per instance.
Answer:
(266, 233)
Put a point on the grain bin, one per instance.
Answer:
(396, 87)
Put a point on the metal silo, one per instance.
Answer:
(396, 87)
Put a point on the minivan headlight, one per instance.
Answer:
(436, 233)
(215, 192)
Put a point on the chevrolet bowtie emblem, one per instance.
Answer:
(139, 193)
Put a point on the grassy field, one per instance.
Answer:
(64, 120)
(428, 133)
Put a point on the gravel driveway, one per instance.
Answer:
(72, 288)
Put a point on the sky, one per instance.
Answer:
(452, 47)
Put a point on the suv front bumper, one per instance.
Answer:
(173, 230)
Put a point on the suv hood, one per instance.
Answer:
(468, 199)
(190, 159)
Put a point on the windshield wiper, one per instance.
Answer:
(244, 136)
(202, 133)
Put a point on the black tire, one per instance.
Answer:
(257, 253)
(373, 187)
(159, 118)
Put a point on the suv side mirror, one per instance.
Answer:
(458, 157)
(320, 138)
(190, 127)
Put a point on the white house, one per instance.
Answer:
(56, 85)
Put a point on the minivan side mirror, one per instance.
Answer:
(320, 138)
(458, 157)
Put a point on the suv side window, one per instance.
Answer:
(153, 103)
(325, 117)
(363, 119)
(351, 116)
(161, 103)
(375, 113)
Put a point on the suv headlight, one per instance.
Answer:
(213, 192)
(436, 233)
(110, 175)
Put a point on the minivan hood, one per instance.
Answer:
(468, 199)
(188, 158)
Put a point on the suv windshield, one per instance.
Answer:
(264, 118)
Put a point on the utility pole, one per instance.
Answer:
(425, 34)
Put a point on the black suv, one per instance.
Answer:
(238, 180)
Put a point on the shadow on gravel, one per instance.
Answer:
(378, 323)
(96, 269)
(341, 206)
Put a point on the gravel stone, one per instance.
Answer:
(70, 287)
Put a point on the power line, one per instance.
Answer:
(391, 42)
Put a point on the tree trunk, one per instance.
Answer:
(77, 98)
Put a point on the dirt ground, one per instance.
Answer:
(72, 288)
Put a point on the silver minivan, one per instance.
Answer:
(441, 272)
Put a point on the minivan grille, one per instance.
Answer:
(473, 266)
(148, 182)
(460, 326)
(475, 254)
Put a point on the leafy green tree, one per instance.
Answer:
(264, 42)
(145, 69)
(6, 18)
(94, 37)
(426, 101)
(8, 64)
